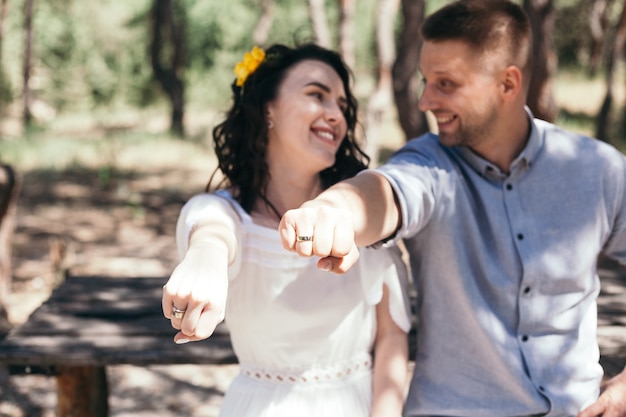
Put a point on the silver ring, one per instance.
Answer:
(177, 313)
(304, 238)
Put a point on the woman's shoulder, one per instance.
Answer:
(220, 200)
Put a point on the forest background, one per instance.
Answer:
(106, 109)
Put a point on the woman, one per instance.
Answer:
(303, 337)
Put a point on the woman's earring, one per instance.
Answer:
(270, 124)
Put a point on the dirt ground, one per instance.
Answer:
(122, 223)
(119, 225)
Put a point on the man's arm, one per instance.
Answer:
(356, 212)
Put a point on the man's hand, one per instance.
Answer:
(322, 231)
(612, 400)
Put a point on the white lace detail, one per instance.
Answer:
(335, 372)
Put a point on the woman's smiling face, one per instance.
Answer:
(307, 117)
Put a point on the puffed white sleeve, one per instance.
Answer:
(385, 266)
(217, 210)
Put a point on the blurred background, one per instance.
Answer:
(106, 110)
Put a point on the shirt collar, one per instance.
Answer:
(524, 160)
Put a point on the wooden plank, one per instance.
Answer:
(139, 350)
(106, 321)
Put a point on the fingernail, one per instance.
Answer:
(182, 341)
(325, 265)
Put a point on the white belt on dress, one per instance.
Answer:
(329, 373)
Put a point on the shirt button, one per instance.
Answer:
(525, 338)
(520, 236)
(509, 187)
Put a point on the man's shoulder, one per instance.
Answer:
(426, 145)
(425, 140)
(584, 147)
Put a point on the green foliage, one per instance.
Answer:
(92, 56)
(85, 54)
(572, 33)
(6, 93)
(205, 38)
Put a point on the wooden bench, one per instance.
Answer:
(91, 322)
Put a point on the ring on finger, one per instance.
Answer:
(304, 238)
(177, 313)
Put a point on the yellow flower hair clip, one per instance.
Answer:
(249, 64)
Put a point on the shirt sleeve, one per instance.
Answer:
(385, 266)
(415, 175)
(615, 197)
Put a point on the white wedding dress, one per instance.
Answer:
(303, 337)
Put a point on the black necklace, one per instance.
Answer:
(272, 207)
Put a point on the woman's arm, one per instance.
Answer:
(390, 363)
(355, 212)
(199, 284)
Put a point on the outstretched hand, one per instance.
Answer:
(612, 400)
(200, 289)
(323, 231)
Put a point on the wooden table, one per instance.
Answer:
(91, 322)
(612, 317)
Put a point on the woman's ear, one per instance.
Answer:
(269, 112)
(269, 116)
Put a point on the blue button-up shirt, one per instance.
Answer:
(505, 271)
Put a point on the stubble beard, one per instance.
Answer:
(474, 131)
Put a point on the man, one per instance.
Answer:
(503, 217)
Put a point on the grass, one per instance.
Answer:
(125, 139)
(580, 97)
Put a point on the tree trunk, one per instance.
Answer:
(616, 48)
(9, 192)
(27, 115)
(598, 24)
(167, 53)
(320, 23)
(405, 77)
(346, 31)
(540, 97)
(262, 30)
(381, 100)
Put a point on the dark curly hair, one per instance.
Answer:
(240, 141)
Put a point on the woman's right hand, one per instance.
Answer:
(199, 286)
(328, 232)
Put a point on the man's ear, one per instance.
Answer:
(511, 81)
